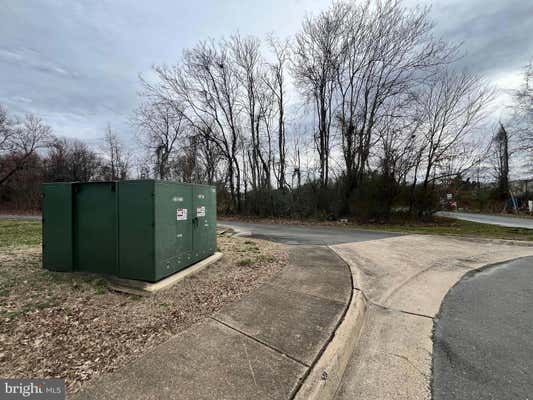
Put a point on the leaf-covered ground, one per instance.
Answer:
(72, 326)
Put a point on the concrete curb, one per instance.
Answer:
(238, 232)
(144, 288)
(243, 234)
(325, 377)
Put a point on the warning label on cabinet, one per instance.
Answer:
(200, 211)
(181, 214)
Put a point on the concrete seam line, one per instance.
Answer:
(314, 296)
(325, 376)
(258, 341)
(398, 310)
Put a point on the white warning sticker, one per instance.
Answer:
(200, 211)
(181, 214)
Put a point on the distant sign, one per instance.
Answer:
(449, 196)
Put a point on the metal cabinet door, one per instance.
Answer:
(203, 222)
(57, 226)
(212, 220)
(95, 227)
(173, 230)
(184, 230)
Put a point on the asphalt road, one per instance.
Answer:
(291, 234)
(512, 222)
(483, 336)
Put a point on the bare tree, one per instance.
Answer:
(116, 158)
(20, 143)
(522, 118)
(450, 105)
(250, 72)
(396, 151)
(384, 104)
(6, 130)
(387, 51)
(83, 162)
(71, 161)
(207, 85)
(524, 105)
(162, 129)
(276, 82)
(209, 155)
(316, 56)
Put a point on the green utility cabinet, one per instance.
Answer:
(141, 229)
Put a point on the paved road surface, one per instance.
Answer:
(291, 234)
(483, 338)
(512, 222)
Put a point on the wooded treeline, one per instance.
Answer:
(386, 112)
(364, 112)
(30, 154)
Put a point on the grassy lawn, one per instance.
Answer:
(446, 226)
(72, 326)
(19, 233)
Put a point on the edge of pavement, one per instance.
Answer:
(323, 380)
(470, 259)
(325, 375)
(258, 360)
(239, 231)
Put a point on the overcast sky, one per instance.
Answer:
(76, 62)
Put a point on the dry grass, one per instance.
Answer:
(72, 326)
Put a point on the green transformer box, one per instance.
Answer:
(139, 229)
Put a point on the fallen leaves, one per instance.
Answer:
(70, 326)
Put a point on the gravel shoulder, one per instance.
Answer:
(72, 326)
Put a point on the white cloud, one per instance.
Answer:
(28, 58)
(77, 62)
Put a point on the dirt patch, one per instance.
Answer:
(72, 326)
